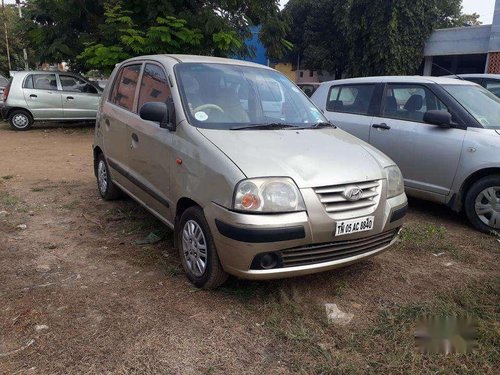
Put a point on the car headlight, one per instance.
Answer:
(395, 183)
(276, 194)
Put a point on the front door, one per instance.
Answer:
(427, 155)
(79, 98)
(151, 156)
(42, 96)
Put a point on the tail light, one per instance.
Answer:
(6, 92)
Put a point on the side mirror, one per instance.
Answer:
(439, 118)
(163, 113)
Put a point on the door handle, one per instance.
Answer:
(383, 126)
(69, 98)
(135, 138)
(33, 96)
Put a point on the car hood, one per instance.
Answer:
(314, 157)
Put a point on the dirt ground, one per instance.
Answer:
(78, 295)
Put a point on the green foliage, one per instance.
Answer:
(96, 34)
(367, 37)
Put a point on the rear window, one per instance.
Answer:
(123, 93)
(354, 99)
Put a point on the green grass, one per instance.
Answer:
(7, 200)
(386, 345)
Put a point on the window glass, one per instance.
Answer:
(410, 102)
(350, 99)
(494, 87)
(225, 96)
(480, 103)
(154, 86)
(124, 90)
(75, 84)
(45, 81)
(28, 82)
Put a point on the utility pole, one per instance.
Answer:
(25, 54)
(6, 35)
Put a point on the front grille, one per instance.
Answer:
(328, 252)
(334, 201)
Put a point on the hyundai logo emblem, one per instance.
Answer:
(353, 194)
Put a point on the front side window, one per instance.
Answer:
(75, 84)
(123, 93)
(45, 81)
(353, 99)
(223, 96)
(479, 102)
(154, 86)
(410, 102)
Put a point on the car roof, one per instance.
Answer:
(494, 76)
(402, 79)
(197, 59)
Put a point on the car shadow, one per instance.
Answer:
(437, 212)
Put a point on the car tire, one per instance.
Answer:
(108, 190)
(197, 250)
(20, 120)
(482, 204)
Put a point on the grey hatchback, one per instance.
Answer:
(48, 96)
(443, 133)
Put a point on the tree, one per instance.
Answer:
(98, 33)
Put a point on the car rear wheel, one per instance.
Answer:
(107, 188)
(197, 250)
(482, 204)
(20, 120)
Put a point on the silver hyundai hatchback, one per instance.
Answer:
(443, 133)
(250, 189)
(48, 96)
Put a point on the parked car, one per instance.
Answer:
(48, 96)
(3, 83)
(489, 81)
(250, 192)
(309, 88)
(443, 133)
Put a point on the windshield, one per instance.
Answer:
(223, 96)
(480, 103)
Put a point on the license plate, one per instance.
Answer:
(355, 225)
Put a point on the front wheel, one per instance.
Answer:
(482, 204)
(197, 250)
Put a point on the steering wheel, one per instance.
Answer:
(208, 106)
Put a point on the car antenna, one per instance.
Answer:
(446, 70)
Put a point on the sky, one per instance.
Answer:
(484, 8)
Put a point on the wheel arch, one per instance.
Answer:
(182, 205)
(471, 180)
(96, 151)
(12, 109)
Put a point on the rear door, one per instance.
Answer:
(117, 113)
(43, 96)
(350, 107)
(79, 98)
(427, 155)
(151, 146)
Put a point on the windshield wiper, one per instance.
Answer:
(269, 126)
(318, 125)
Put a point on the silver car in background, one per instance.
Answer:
(48, 96)
(443, 133)
(250, 189)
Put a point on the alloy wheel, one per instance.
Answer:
(194, 246)
(102, 177)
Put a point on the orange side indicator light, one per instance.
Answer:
(178, 161)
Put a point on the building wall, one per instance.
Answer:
(494, 63)
(286, 69)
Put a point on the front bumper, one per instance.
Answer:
(304, 242)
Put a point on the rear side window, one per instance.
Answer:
(154, 86)
(354, 99)
(28, 82)
(410, 102)
(123, 93)
(43, 81)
